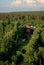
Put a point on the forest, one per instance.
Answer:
(16, 46)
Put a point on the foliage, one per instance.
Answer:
(17, 48)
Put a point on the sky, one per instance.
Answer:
(21, 5)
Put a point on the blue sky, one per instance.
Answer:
(21, 5)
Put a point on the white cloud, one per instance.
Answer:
(40, 1)
(23, 2)
(16, 3)
(30, 3)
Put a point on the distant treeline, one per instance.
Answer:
(22, 16)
